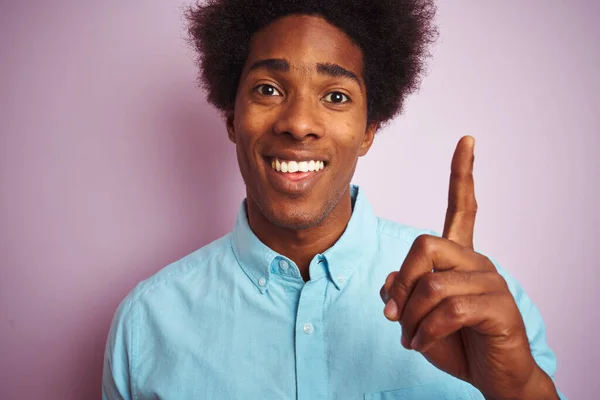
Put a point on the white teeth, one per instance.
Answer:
(296, 166)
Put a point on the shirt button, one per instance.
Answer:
(284, 265)
(262, 282)
(308, 328)
(341, 279)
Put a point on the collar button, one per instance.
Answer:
(284, 265)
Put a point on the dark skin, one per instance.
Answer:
(295, 108)
(461, 316)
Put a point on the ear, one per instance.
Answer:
(229, 118)
(368, 138)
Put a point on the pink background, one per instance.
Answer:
(112, 166)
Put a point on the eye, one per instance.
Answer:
(267, 90)
(336, 98)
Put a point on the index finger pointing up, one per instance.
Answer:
(462, 205)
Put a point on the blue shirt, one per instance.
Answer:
(235, 320)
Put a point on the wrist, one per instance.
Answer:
(538, 386)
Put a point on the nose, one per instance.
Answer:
(300, 118)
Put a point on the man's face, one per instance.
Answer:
(301, 106)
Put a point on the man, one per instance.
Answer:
(288, 305)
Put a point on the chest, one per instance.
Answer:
(310, 341)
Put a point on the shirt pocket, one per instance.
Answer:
(456, 391)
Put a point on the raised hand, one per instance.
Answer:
(456, 309)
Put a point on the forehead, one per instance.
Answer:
(305, 41)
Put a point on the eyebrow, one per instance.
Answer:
(336, 71)
(282, 65)
(273, 64)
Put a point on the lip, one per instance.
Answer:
(297, 183)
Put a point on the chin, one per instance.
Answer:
(295, 218)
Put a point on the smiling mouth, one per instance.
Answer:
(293, 166)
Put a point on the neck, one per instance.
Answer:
(301, 245)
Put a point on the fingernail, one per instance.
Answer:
(404, 342)
(415, 343)
(391, 310)
(384, 295)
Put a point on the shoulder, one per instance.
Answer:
(173, 287)
(390, 231)
(194, 267)
(152, 306)
(394, 231)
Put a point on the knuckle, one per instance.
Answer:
(509, 303)
(400, 288)
(471, 206)
(499, 281)
(431, 285)
(428, 330)
(510, 318)
(425, 243)
(389, 281)
(455, 307)
(486, 263)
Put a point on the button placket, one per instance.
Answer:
(311, 362)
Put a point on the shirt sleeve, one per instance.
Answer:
(116, 375)
(534, 325)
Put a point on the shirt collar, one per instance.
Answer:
(357, 243)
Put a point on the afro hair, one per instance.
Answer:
(394, 36)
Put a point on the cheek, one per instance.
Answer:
(354, 128)
(253, 124)
(349, 141)
(248, 130)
